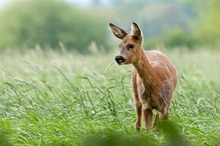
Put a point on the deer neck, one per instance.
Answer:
(150, 80)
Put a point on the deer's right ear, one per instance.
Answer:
(118, 32)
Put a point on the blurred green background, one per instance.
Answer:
(56, 88)
(83, 25)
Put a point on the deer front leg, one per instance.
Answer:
(148, 114)
(137, 102)
(166, 114)
(157, 120)
(139, 115)
(161, 116)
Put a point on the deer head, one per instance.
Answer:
(130, 45)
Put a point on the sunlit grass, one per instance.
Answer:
(64, 98)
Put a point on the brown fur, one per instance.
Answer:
(154, 78)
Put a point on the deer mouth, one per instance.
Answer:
(120, 60)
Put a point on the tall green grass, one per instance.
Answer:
(64, 98)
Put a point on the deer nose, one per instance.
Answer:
(119, 59)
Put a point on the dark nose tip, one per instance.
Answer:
(119, 59)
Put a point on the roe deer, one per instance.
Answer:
(154, 77)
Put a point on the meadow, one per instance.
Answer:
(65, 98)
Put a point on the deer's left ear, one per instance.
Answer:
(136, 30)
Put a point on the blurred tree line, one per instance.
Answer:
(55, 23)
(207, 25)
(50, 23)
(173, 23)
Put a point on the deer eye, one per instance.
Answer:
(130, 46)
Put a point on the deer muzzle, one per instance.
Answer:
(120, 59)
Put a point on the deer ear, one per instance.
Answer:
(118, 32)
(136, 30)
